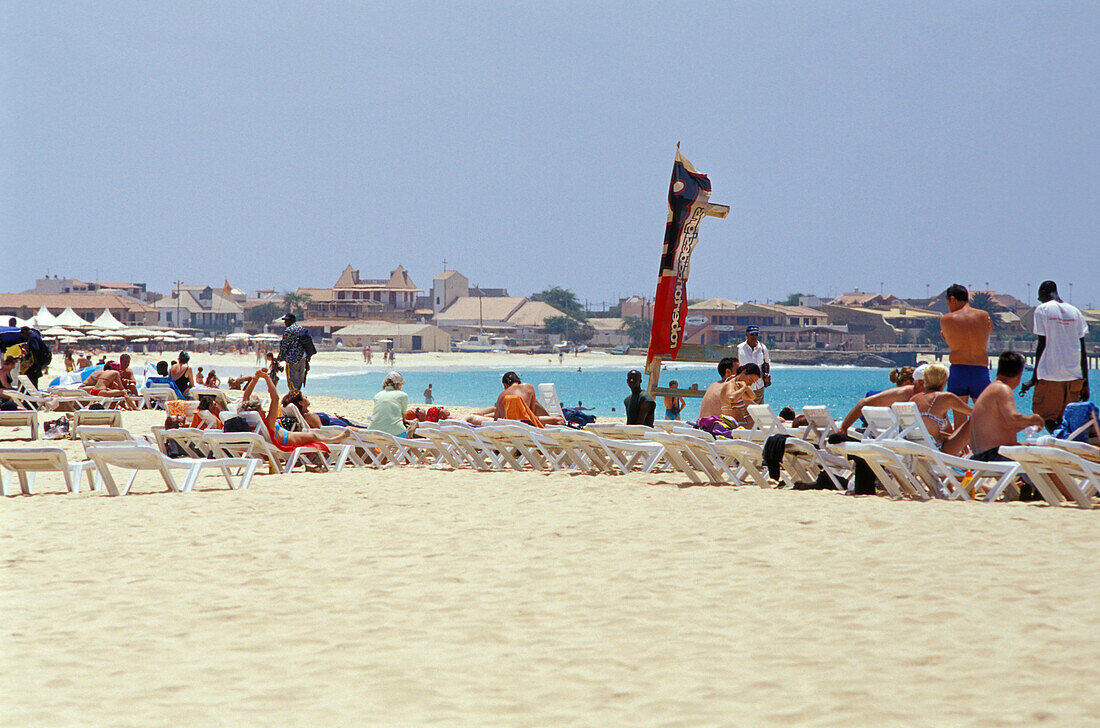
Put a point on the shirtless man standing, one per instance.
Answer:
(995, 420)
(966, 331)
(711, 404)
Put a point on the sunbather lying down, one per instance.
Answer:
(108, 383)
(279, 434)
(516, 402)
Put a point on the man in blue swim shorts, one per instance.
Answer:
(966, 331)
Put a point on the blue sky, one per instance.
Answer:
(530, 144)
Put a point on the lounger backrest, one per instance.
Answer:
(34, 459)
(88, 433)
(881, 422)
(765, 418)
(911, 424)
(27, 386)
(819, 424)
(548, 396)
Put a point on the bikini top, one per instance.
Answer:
(941, 421)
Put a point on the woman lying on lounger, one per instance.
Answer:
(279, 434)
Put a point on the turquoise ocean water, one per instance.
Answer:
(601, 387)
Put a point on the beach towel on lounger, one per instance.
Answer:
(515, 408)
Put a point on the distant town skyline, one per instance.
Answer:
(863, 144)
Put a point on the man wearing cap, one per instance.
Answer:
(751, 351)
(291, 351)
(1061, 373)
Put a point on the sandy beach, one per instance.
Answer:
(423, 597)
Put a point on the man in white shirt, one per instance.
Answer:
(1061, 365)
(751, 351)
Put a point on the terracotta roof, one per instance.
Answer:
(78, 301)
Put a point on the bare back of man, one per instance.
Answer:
(995, 420)
(966, 331)
(711, 404)
(526, 392)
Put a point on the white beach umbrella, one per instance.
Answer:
(69, 319)
(45, 319)
(107, 322)
(239, 336)
(57, 331)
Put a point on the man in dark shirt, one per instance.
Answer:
(291, 351)
(639, 405)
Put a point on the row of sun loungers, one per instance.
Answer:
(895, 446)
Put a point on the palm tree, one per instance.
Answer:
(298, 303)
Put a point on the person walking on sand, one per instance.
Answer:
(966, 331)
(292, 351)
(1061, 373)
(751, 351)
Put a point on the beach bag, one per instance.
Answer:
(576, 418)
(236, 424)
(290, 423)
(1076, 421)
(306, 342)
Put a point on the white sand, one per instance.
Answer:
(415, 596)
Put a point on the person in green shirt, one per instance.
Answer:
(639, 405)
(390, 405)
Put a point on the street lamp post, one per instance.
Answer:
(178, 284)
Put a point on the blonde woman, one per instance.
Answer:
(934, 405)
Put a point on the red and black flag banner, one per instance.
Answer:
(688, 204)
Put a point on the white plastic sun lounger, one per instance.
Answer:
(21, 418)
(1058, 474)
(137, 457)
(97, 418)
(516, 444)
(745, 459)
(693, 456)
(945, 475)
(254, 445)
(890, 469)
(25, 462)
(473, 449)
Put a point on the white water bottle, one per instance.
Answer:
(1032, 431)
